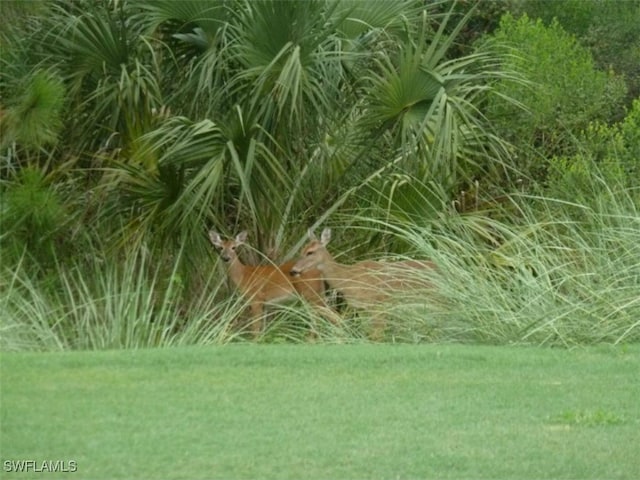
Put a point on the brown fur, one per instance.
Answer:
(264, 284)
(364, 284)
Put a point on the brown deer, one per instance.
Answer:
(268, 284)
(366, 284)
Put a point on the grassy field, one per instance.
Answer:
(357, 411)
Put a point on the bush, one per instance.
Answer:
(32, 215)
(564, 271)
(610, 154)
(609, 28)
(566, 94)
(629, 151)
(34, 119)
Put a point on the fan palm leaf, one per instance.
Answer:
(207, 15)
(429, 105)
(110, 71)
(290, 64)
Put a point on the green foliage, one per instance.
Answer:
(610, 155)
(18, 53)
(609, 28)
(31, 204)
(167, 184)
(297, 98)
(153, 121)
(630, 132)
(560, 279)
(566, 94)
(559, 271)
(539, 270)
(484, 19)
(102, 302)
(575, 16)
(33, 216)
(571, 178)
(426, 106)
(35, 117)
(111, 71)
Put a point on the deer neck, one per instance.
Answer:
(335, 274)
(236, 271)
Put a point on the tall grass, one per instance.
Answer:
(538, 271)
(535, 270)
(136, 302)
(110, 305)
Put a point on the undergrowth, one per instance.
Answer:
(535, 270)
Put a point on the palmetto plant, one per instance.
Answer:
(268, 114)
(112, 72)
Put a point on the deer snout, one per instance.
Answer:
(294, 272)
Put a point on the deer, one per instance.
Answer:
(263, 285)
(366, 284)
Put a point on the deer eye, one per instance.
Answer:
(310, 253)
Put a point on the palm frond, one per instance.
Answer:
(288, 68)
(189, 15)
(430, 105)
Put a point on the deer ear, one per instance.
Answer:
(215, 238)
(311, 235)
(326, 236)
(241, 237)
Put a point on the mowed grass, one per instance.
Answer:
(341, 411)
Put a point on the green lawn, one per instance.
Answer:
(304, 412)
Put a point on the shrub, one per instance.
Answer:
(34, 120)
(610, 154)
(567, 92)
(609, 28)
(32, 214)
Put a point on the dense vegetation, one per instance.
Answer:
(499, 139)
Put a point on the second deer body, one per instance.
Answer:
(365, 284)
